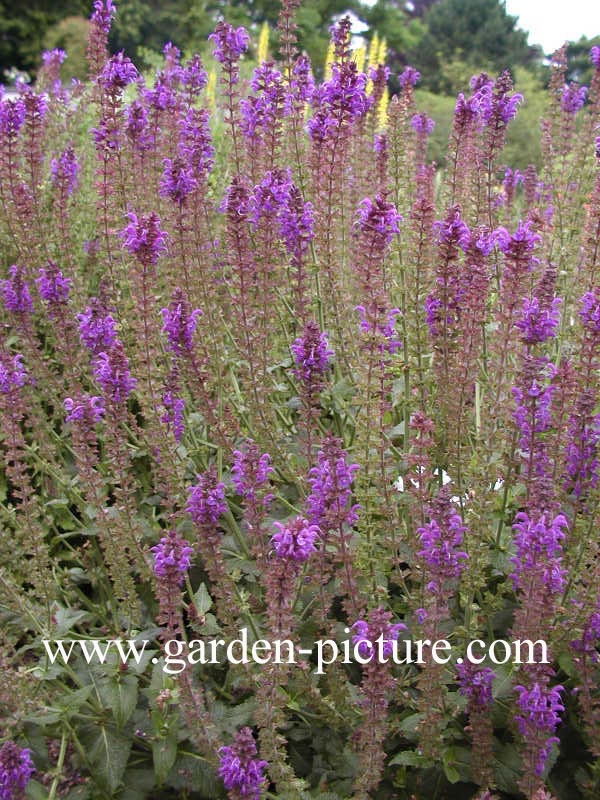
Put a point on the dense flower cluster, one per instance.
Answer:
(180, 323)
(172, 554)
(97, 328)
(242, 773)
(15, 292)
(330, 501)
(144, 238)
(295, 540)
(250, 471)
(13, 374)
(539, 547)
(440, 542)
(538, 323)
(52, 285)
(475, 683)
(89, 410)
(539, 712)
(230, 43)
(312, 354)
(16, 769)
(65, 169)
(111, 370)
(206, 502)
(368, 635)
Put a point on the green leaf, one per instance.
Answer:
(119, 693)
(192, 771)
(36, 791)
(109, 755)
(164, 753)
(408, 758)
(202, 600)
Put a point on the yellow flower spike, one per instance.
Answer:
(383, 108)
(263, 43)
(360, 56)
(373, 53)
(329, 59)
(210, 89)
(382, 53)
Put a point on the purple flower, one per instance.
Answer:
(118, 72)
(590, 635)
(172, 556)
(97, 329)
(329, 503)
(475, 682)
(422, 124)
(65, 170)
(111, 370)
(144, 238)
(241, 772)
(207, 499)
(377, 322)
(16, 769)
(177, 180)
(595, 56)
(538, 324)
(410, 77)
(52, 285)
(180, 323)
(590, 313)
(174, 407)
(53, 58)
(538, 547)
(338, 102)
(582, 448)
(137, 126)
(540, 709)
(229, 42)
(15, 292)
(302, 83)
(521, 244)
(250, 471)
(453, 231)
(311, 354)
(533, 411)
(12, 373)
(369, 633)
(12, 116)
(440, 543)
(193, 75)
(573, 98)
(295, 540)
(195, 142)
(87, 409)
(378, 220)
(103, 14)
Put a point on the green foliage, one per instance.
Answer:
(467, 29)
(70, 35)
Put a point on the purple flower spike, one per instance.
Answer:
(172, 556)
(595, 56)
(65, 170)
(177, 180)
(180, 323)
(410, 77)
(103, 14)
(329, 503)
(422, 124)
(118, 72)
(440, 546)
(111, 370)
(250, 471)
(229, 42)
(88, 409)
(12, 373)
(573, 98)
(52, 285)
(143, 237)
(540, 709)
(207, 499)
(538, 543)
(312, 354)
(97, 329)
(475, 682)
(368, 634)
(16, 769)
(296, 540)
(538, 324)
(15, 292)
(241, 772)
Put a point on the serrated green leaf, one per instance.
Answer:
(109, 755)
(119, 693)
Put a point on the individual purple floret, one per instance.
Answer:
(229, 42)
(16, 769)
(180, 323)
(15, 292)
(52, 285)
(241, 772)
(539, 712)
(206, 502)
(97, 328)
(538, 547)
(12, 373)
(295, 540)
(312, 354)
(573, 98)
(65, 170)
(118, 72)
(144, 238)
(86, 409)
(538, 324)
(172, 555)
(475, 683)
(111, 370)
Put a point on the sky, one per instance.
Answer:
(551, 22)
